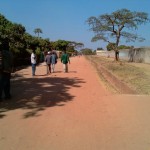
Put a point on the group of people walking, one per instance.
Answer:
(50, 60)
(6, 59)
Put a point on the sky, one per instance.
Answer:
(66, 19)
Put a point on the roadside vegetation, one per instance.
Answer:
(134, 75)
(21, 42)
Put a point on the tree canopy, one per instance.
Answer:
(38, 31)
(21, 43)
(86, 51)
(119, 24)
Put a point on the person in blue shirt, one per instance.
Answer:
(48, 62)
(53, 60)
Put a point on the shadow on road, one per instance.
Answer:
(37, 94)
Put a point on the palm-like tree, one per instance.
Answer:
(37, 31)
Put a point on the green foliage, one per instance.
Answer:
(38, 31)
(94, 52)
(111, 46)
(61, 45)
(38, 51)
(70, 46)
(22, 43)
(123, 47)
(17, 41)
(86, 51)
(75, 45)
(44, 44)
(5, 29)
(99, 48)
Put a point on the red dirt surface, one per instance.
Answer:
(72, 111)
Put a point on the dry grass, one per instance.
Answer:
(135, 75)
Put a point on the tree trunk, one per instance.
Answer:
(116, 49)
(116, 55)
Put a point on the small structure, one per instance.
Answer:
(101, 52)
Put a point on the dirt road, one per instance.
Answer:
(72, 111)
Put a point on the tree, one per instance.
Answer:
(72, 45)
(37, 31)
(61, 45)
(5, 26)
(16, 37)
(124, 47)
(66, 45)
(111, 46)
(44, 44)
(117, 25)
(100, 48)
(86, 51)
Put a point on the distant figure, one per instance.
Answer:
(33, 62)
(53, 60)
(48, 62)
(41, 57)
(65, 59)
(5, 70)
(131, 54)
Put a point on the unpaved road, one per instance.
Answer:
(72, 111)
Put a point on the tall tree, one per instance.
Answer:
(38, 31)
(17, 41)
(61, 45)
(75, 45)
(117, 25)
(5, 26)
(86, 51)
(13, 33)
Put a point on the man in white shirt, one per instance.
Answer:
(33, 62)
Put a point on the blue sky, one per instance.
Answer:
(66, 19)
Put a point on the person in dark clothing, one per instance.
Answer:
(5, 70)
(48, 62)
(65, 60)
(53, 60)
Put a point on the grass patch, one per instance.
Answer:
(134, 75)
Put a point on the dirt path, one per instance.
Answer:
(72, 111)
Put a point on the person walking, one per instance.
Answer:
(5, 70)
(65, 60)
(53, 60)
(33, 62)
(48, 62)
